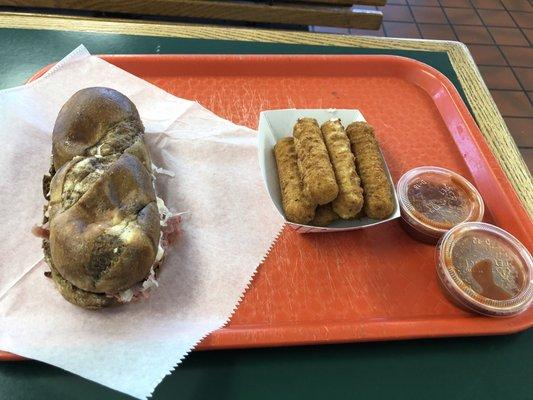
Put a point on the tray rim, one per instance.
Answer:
(450, 88)
(225, 333)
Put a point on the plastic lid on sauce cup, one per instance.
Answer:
(434, 200)
(485, 269)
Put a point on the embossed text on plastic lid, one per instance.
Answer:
(485, 269)
(434, 200)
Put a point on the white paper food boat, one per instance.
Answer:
(277, 124)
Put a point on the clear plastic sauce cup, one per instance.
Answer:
(485, 269)
(434, 200)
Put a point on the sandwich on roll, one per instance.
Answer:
(102, 226)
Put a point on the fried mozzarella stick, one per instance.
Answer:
(350, 199)
(313, 161)
(324, 215)
(377, 190)
(297, 205)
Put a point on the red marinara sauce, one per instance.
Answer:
(485, 269)
(434, 200)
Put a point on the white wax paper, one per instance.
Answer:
(229, 228)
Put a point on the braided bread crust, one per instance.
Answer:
(103, 215)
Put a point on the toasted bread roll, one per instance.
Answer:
(103, 215)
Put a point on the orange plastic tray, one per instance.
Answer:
(372, 284)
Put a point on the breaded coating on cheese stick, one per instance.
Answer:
(297, 205)
(324, 215)
(377, 190)
(313, 161)
(350, 199)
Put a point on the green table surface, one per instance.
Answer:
(485, 368)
